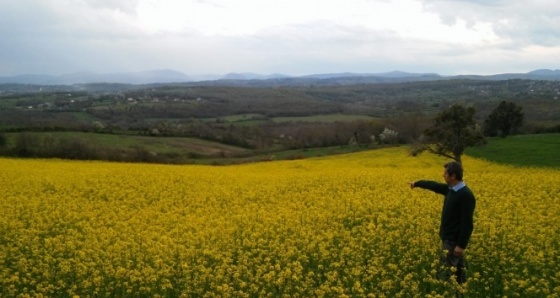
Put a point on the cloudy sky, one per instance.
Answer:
(295, 37)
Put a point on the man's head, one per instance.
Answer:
(453, 172)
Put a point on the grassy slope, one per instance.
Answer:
(207, 152)
(324, 118)
(541, 150)
(154, 144)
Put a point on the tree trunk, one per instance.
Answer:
(458, 158)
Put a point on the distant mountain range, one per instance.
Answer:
(253, 79)
(147, 77)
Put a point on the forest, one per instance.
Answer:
(239, 122)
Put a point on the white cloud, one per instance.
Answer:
(247, 17)
(269, 36)
(519, 23)
(126, 6)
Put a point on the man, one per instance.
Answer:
(456, 218)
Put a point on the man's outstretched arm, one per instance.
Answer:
(440, 188)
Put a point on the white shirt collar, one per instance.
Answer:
(458, 186)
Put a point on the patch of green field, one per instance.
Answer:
(157, 120)
(243, 117)
(82, 116)
(178, 145)
(286, 155)
(324, 118)
(7, 103)
(316, 152)
(539, 150)
(250, 119)
(250, 123)
(256, 119)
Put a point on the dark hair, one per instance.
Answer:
(454, 168)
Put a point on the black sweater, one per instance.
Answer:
(457, 214)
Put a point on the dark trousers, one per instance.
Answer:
(451, 264)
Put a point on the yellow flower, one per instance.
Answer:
(333, 226)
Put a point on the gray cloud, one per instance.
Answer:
(521, 23)
(56, 37)
(49, 37)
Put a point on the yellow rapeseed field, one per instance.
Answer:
(338, 226)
